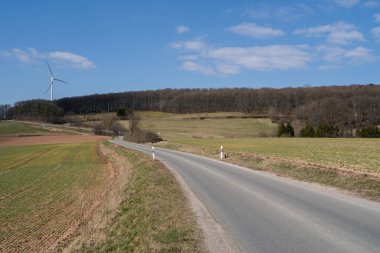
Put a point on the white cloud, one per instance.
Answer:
(182, 29)
(376, 32)
(337, 33)
(192, 45)
(228, 69)
(262, 57)
(32, 55)
(347, 3)
(74, 60)
(377, 17)
(209, 60)
(340, 55)
(196, 67)
(370, 4)
(256, 31)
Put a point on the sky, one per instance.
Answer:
(117, 46)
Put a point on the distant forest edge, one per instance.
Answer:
(344, 107)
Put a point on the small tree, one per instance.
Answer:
(134, 122)
(3, 111)
(122, 113)
(285, 130)
(307, 131)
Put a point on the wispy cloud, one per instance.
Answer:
(255, 31)
(284, 13)
(182, 29)
(32, 55)
(191, 45)
(197, 67)
(377, 17)
(370, 4)
(231, 60)
(356, 55)
(376, 32)
(262, 57)
(347, 3)
(337, 33)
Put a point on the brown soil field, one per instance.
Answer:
(32, 140)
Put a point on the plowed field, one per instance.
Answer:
(48, 191)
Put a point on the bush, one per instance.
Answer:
(285, 130)
(118, 129)
(142, 136)
(121, 113)
(307, 131)
(99, 129)
(369, 132)
(325, 130)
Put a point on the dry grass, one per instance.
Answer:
(155, 216)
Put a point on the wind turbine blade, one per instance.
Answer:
(48, 88)
(60, 80)
(51, 72)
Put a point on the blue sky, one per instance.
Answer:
(115, 46)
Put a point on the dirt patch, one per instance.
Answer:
(52, 139)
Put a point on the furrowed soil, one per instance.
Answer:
(48, 191)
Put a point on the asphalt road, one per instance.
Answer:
(266, 213)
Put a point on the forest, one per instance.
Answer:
(343, 107)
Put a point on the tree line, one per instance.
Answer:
(343, 107)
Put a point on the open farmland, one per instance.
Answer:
(205, 125)
(46, 191)
(351, 153)
(12, 128)
(348, 163)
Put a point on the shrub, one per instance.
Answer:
(99, 129)
(142, 136)
(118, 129)
(369, 132)
(121, 113)
(325, 130)
(307, 131)
(285, 130)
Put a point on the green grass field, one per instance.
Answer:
(215, 125)
(355, 153)
(11, 128)
(239, 136)
(44, 190)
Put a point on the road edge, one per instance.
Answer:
(215, 237)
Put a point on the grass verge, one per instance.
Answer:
(155, 216)
(363, 181)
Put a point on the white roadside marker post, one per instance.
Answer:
(153, 155)
(221, 153)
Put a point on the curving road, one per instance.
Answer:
(266, 213)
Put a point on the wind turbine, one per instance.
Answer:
(52, 79)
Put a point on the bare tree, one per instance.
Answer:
(3, 111)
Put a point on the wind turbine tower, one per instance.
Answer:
(52, 79)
